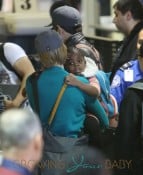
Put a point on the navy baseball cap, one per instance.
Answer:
(67, 17)
(48, 40)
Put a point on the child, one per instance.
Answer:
(79, 64)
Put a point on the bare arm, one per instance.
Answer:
(87, 88)
(24, 68)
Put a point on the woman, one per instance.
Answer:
(71, 113)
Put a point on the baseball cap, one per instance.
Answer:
(67, 17)
(48, 40)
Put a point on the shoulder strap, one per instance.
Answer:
(4, 60)
(34, 79)
(55, 107)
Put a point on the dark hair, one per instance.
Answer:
(134, 6)
(57, 4)
(75, 50)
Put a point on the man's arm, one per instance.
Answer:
(117, 88)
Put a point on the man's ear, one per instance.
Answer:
(60, 29)
(129, 15)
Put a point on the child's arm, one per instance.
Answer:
(92, 89)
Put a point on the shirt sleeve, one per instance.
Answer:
(118, 87)
(94, 82)
(13, 52)
(94, 107)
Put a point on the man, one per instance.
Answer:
(128, 145)
(21, 142)
(127, 74)
(67, 21)
(18, 69)
(128, 19)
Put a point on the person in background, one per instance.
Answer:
(129, 73)
(129, 143)
(129, 20)
(21, 142)
(18, 71)
(67, 21)
(6, 5)
(140, 39)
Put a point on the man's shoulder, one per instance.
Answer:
(138, 85)
(128, 65)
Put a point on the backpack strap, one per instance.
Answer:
(33, 79)
(5, 62)
(93, 51)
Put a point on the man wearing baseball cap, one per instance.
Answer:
(67, 21)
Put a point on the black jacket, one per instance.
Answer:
(128, 144)
(127, 50)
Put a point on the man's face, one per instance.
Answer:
(65, 35)
(120, 20)
(140, 39)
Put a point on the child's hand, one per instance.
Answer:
(72, 80)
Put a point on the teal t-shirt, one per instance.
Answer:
(71, 112)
